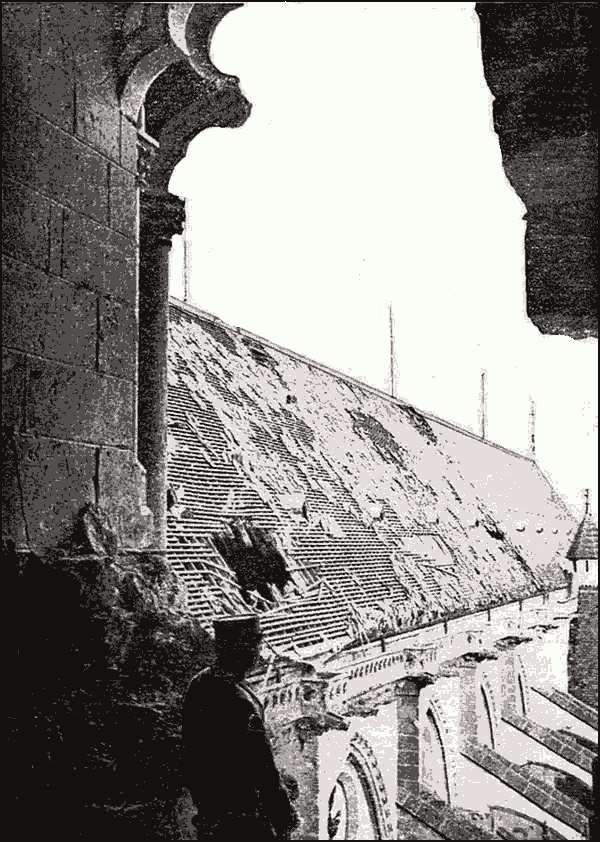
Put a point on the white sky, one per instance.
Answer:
(369, 172)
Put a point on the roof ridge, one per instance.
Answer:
(197, 311)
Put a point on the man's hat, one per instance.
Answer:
(239, 629)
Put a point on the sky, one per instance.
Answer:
(369, 174)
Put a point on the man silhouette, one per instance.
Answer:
(228, 761)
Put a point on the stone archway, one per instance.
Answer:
(359, 804)
(487, 717)
(522, 686)
(434, 761)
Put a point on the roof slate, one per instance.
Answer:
(387, 518)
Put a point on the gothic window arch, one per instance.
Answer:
(485, 723)
(522, 687)
(434, 770)
(358, 806)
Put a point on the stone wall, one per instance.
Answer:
(583, 648)
(69, 263)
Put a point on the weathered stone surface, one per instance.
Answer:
(79, 405)
(97, 123)
(538, 61)
(123, 202)
(14, 379)
(21, 24)
(20, 157)
(46, 88)
(121, 487)
(73, 174)
(25, 224)
(116, 352)
(129, 139)
(56, 239)
(44, 485)
(47, 316)
(98, 258)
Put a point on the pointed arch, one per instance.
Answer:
(362, 763)
(434, 761)
(485, 724)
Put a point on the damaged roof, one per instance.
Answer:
(338, 512)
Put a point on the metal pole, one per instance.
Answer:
(392, 355)
(187, 256)
(532, 420)
(483, 405)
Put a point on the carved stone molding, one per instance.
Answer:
(161, 217)
(364, 760)
(165, 66)
(511, 641)
(317, 724)
(155, 36)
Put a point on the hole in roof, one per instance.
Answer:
(260, 568)
(219, 333)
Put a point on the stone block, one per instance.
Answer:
(408, 756)
(45, 484)
(79, 405)
(97, 123)
(58, 32)
(25, 224)
(53, 95)
(514, 779)
(118, 338)
(123, 202)
(42, 87)
(20, 152)
(56, 239)
(99, 258)
(73, 174)
(129, 150)
(407, 772)
(21, 25)
(47, 316)
(84, 245)
(120, 267)
(122, 495)
(14, 380)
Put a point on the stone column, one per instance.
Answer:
(468, 701)
(161, 216)
(407, 708)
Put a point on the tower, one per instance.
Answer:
(583, 552)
